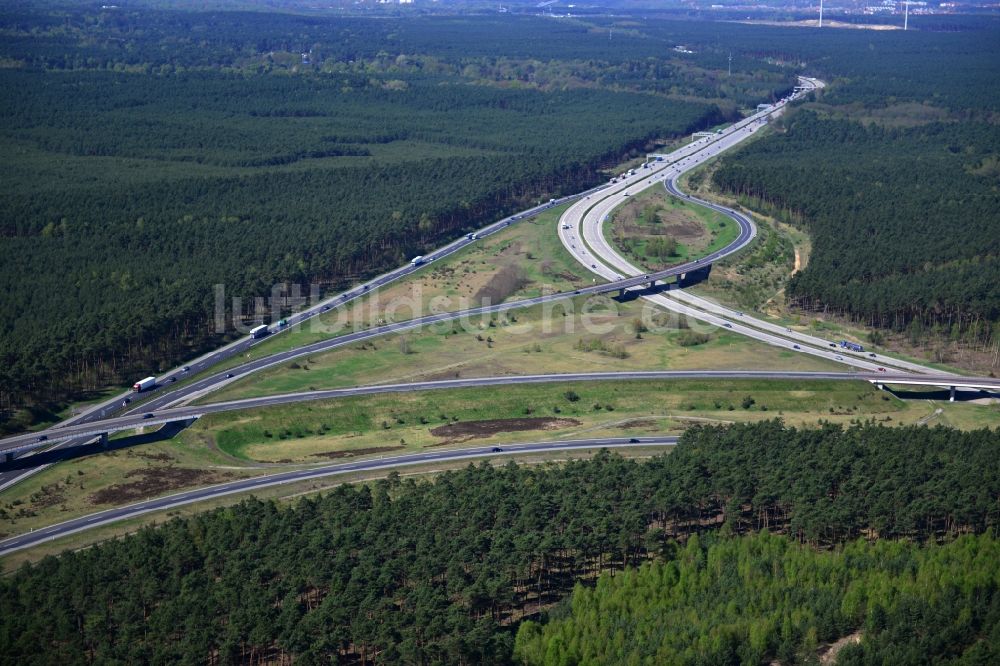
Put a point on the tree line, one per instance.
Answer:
(407, 571)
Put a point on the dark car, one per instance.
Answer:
(43, 438)
(172, 379)
(147, 415)
(871, 355)
(229, 375)
(833, 344)
(185, 369)
(633, 440)
(796, 347)
(497, 449)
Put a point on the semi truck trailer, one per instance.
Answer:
(144, 384)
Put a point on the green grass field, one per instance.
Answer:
(237, 444)
(307, 431)
(593, 336)
(697, 231)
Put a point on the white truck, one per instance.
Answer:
(417, 260)
(258, 331)
(144, 384)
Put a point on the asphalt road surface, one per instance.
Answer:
(114, 405)
(131, 421)
(20, 542)
(580, 230)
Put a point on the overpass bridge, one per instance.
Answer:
(951, 382)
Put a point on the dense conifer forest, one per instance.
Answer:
(724, 600)
(444, 571)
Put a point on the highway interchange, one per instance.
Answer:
(580, 230)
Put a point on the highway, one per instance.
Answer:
(113, 405)
(590, 208)
(168, 415)
(53, 439)
(209, 383)
(109, 516)
(581, 232)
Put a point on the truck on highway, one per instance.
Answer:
(853, 346)
(417, 260)
(258, 331)
(144, 384)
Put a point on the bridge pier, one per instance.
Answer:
(880, 386)
(621, 293)
(8, 457)
(103, 441)
(951, 394)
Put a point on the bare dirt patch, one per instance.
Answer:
(154, 481)
(637, 423)
(502, 285)
(464, 431)
(334, 455)
(685, 227)
(828, 654)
